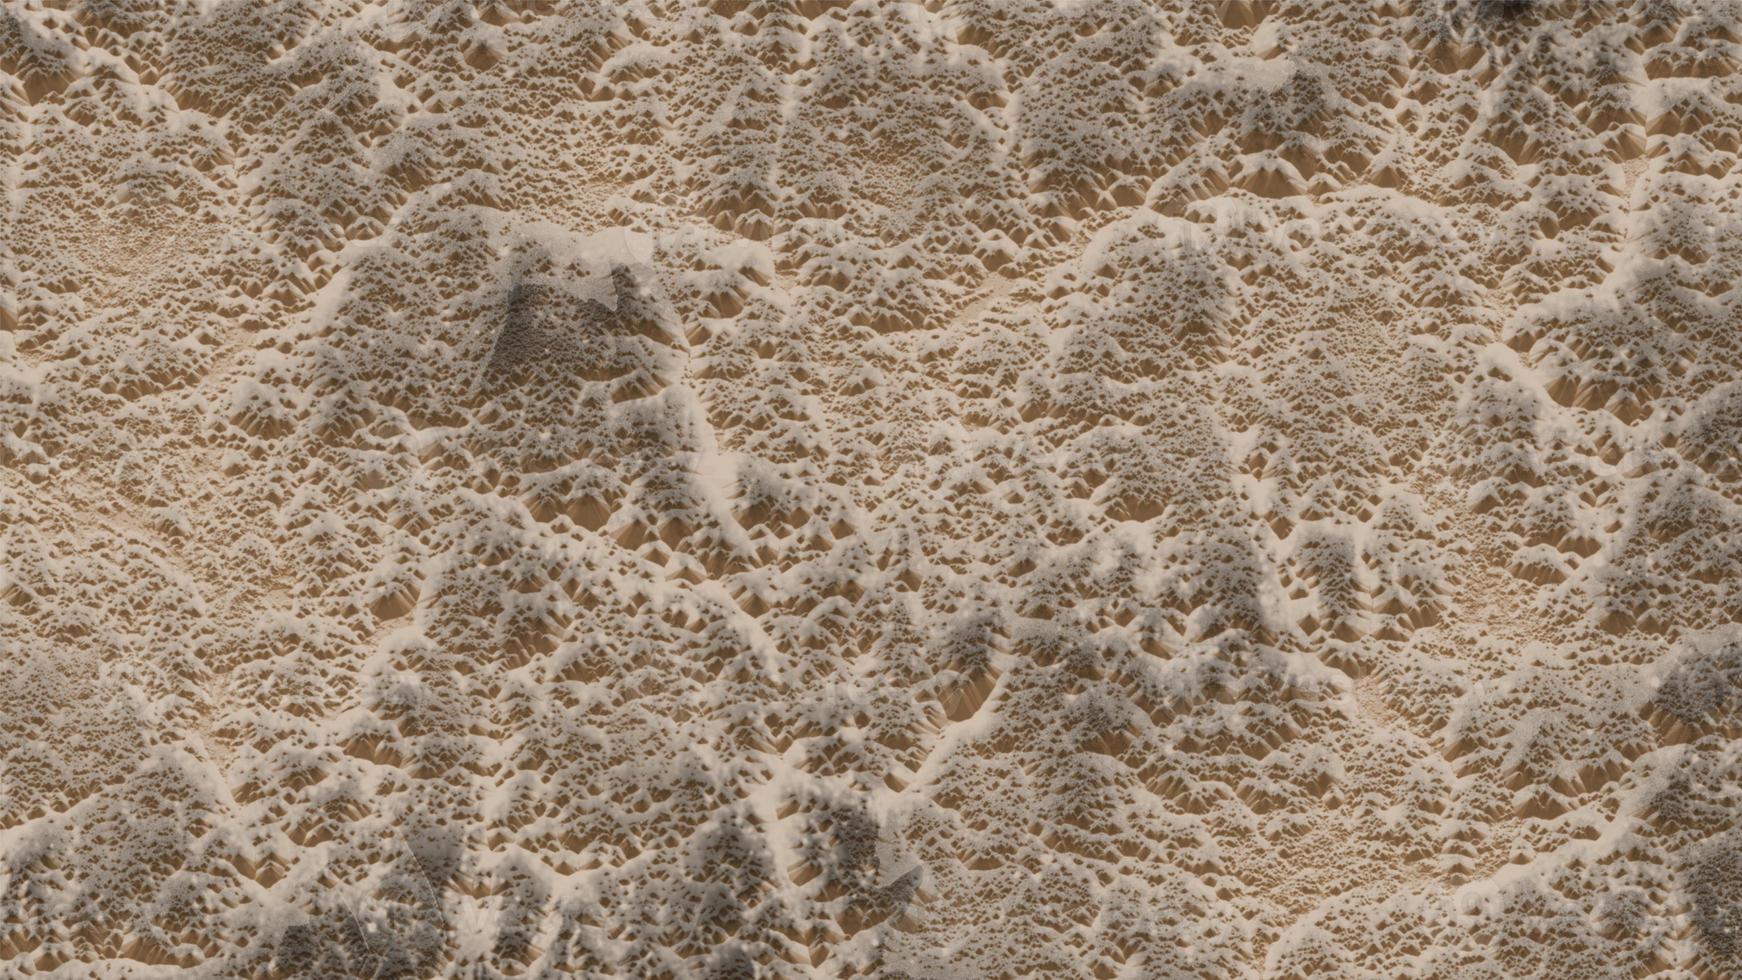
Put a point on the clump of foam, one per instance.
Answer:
(971, 488)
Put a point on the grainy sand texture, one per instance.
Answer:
(946, 490)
